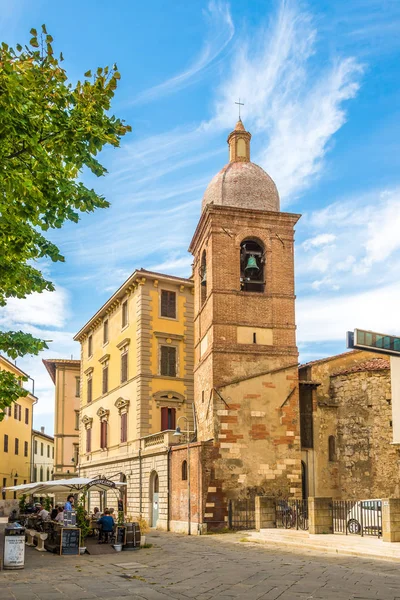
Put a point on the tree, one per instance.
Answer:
(50, 130)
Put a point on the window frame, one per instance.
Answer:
(167, 292)
(89, 390)
(90, 346)
(160, 368)
(5, 443)
(88, 440)
(77, 386)
(184, 470)
(104, 379)
(105, 332)
(16, 447)
(26, 416)
(124, 314)
(123, 427)
(26, 448)
(124, 357)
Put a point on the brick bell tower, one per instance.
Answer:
(245, 374)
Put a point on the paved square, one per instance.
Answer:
(201, 568)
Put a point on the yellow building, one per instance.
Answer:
(15, 440)
(42, 456)
(137, 380)
(65, 375)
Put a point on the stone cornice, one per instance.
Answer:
(125, 342)
(121, 403)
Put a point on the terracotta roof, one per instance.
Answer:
(328, 358)
(239, 126)
(374, 364)
(35, 432)
(52, 363)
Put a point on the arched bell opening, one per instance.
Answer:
(203, 277)
(252, 263)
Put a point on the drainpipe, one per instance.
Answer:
(140, 481)
(168, 486)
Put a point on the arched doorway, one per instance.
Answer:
(154, 500)
(304, 481)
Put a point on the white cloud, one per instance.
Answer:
(221, 31)
(293, 109)
(319, 240)
(175, 265)
(46, 309)
(323, 318)
(383, 230)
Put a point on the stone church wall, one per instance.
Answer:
(368, 463)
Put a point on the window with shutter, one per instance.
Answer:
(124, 427)
(105, 380)
(16, 445)
(105, 332)
(88, 440)
(167, 418)
(168, 361)
(41, 449)
(90, 345)
(168, 304)
(125, 313)
(78, 387)
(19, 412)
(27, 416)
(48, 451)
(103, 434)
(15, 411)
(25, 448)
(5, 442)
(124, 367)
(35, 446)
(89, 390)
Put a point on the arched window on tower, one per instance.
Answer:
(252, 261)
(203, 277)
(184, 471)
(332, 448)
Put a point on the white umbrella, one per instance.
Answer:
(76, 484)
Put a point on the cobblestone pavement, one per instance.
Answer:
(201, 568)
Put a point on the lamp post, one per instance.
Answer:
(178, 433)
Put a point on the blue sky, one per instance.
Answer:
(320, 83)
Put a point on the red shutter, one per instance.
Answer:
(88, 440)
(172, 418)
(124, 428)
(164, 418)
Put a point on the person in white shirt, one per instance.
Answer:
(43, 515)
(60, 515)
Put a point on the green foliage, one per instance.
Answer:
(47, 503)
(121, 518)
(10, 391)
(22, 504)
(81, 520)
(50, 131)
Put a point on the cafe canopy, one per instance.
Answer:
(73, 485)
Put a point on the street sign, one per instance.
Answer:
(362, 339)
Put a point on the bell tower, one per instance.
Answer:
(245, 374)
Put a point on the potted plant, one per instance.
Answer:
(22, 504)
(83, 524)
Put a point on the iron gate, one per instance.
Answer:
(357, 517)
(292, 514)
(242, 514)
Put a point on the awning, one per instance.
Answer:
(76, 484)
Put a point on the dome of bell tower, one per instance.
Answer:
(241, 183)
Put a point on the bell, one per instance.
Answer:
(204, 279)
(252, 267)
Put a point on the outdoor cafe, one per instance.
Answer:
(70, 529)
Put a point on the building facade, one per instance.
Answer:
(346, 427)
(136, 382)
(66, 377)
(42, 456)
(15, 440)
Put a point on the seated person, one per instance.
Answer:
(107, 525)
(54, 512)
(43, 514)
(96, 513)
(60, 515)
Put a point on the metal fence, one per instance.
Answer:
(292, 514)
(357, 517)
(242, 514)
